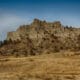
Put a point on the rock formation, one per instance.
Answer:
(41, 37)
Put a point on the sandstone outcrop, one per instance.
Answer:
(41, 37)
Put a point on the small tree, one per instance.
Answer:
(1, 43)
(5, 42)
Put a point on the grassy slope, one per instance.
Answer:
(42, 67)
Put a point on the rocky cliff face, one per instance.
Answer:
(41, 37)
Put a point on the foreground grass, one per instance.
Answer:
(41, 67)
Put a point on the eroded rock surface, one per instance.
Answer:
(41, 37)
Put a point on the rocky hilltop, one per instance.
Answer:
(41, 37)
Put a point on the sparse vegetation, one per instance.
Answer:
(41, 51)
(44, 67)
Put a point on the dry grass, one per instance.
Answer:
(42, 67)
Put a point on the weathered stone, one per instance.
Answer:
(41, 36)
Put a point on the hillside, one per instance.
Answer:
(56, 49)
(41, 37)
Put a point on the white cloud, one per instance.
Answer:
(70, 20)
(10, 22)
